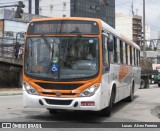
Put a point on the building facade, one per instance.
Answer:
(130, 25)
(10, 26)
(103, 9)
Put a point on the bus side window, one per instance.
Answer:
(118, 51)
(131, 55)
(121, 52)
(129, 61)
(138, 56)
(115, 50)
(111, 51)
(126, 51)
(135, 57)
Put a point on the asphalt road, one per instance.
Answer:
(144, 108)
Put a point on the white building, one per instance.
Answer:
(130, 26)
(103, 9)
(124, 25)
(10, 26)
(51, 8)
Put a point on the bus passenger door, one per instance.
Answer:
(106, 76)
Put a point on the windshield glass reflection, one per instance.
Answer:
(61, 57)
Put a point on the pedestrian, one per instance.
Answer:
(20, 53)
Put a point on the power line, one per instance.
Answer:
(125, 3)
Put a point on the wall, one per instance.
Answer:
(10, 75)
(54, 8)
(15, 27)
(124, 25)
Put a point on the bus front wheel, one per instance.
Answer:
(108, 110)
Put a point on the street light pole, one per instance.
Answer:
(144, 31)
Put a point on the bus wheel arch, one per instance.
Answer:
(108, 110)
(114, 90)
(131, 96)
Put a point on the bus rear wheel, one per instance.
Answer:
(108, 110)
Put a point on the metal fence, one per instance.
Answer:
(7, 46)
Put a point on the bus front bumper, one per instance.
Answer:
(79, 103)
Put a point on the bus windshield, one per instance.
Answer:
(61, 57)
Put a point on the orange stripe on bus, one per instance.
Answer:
(124, 71)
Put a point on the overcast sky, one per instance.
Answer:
(152, 12)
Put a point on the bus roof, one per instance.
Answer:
(121, 36)
(103, 24)
(65, 18)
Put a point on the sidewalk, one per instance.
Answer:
(10, 91)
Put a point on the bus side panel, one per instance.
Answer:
(106, 87)
(108, 79)
(115, 70)
(137, 77)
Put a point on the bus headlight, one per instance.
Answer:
(29, 89)
(90, 91)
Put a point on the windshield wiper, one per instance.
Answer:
(46, 42)
(75, 38)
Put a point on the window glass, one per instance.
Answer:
(129, 63)
(61, 57)
(115, 50)
(63, 27)
(131, 55)
(118, 51)
(105, 50)
(121, 52)
(124, 53)
(105, 55)
(137, 55)
(111, 53)
(126, 48)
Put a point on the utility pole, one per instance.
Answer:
(30, 7)
(144, 31)
(37, 7)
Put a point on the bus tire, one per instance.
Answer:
(52, 111)
(108, 110)
(159, 84)
(131, 97)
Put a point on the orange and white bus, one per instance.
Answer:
(78, 64)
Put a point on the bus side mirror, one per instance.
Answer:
(110, 43)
